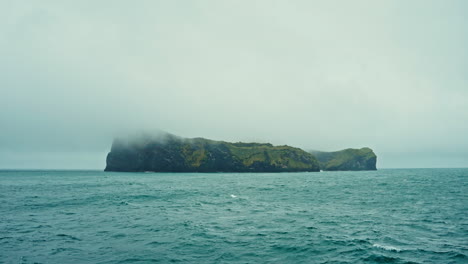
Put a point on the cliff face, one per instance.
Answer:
(347, 160)
(169, 153)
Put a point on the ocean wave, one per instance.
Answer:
(388, 248)
(382, 259)
(69, 237)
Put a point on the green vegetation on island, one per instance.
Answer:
(169, 153)
(347, 159)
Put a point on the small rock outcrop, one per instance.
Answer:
(347, 160)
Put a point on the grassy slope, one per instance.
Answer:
(281, 156)
(345, 159)
(195, 152)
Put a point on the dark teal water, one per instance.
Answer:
(387, 216)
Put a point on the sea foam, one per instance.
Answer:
(388, 248)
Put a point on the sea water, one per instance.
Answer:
(385, 216)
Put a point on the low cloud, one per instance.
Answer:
(330, 75)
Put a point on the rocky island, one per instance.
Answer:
(347, 160)
(169, 153)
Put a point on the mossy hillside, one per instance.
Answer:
(347, 159)
(197, 152)
(278, 156)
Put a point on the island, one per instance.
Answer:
(347, 159)
(169, 153)
(164, 152)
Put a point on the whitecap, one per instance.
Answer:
(388, 248)
(233, 196)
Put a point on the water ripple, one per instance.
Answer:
(386, 216)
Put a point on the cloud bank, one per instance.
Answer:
(327, 75)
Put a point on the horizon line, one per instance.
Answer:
(83, 169)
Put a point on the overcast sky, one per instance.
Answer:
(325, 75)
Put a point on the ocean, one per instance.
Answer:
(384, 216)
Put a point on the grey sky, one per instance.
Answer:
(326, 75)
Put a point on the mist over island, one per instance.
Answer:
(164, 152)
